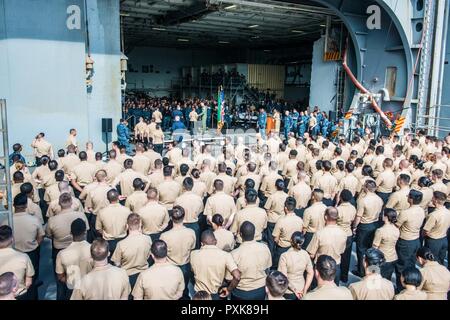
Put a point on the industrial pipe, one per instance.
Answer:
(358, 85)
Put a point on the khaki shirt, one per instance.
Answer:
(349, 182)
(329, 291)
(113, 169)
(156, 178)
(328, 184)
(132, 253)
(241, 203)
(228, 183)
(290, 168)
(210, 265)
(153, 156)
(372, 287)
(180, 242)
(69, 162)
(54, 208)
(75, 261)
(225, 239)
(411, 295)
(293, 264)
(97, 198)
(27, 228)
(58, 227)
(103, 283)
(157, 115)
(141, 164)
(275, 206)
(155, 218)
(256, 178)
(399, 200)
(125, 180)
(253, 214)
(410, 221)
(112, 221)
(331, 241)
(268, 183)
(435, 280)
(168, 193)
(34, 210)
(174, 155)
(136, 201)
(19, 263)
(162, 281)
(199, 188)
(369, 208)
(193, 116)
(192, 205)
(83, 173)
(385, 239)
(314, 217)
(208, 178)
(42, 148)
(285, 227)
(301, 193)
(438, 222)
(346, 216)
(220, 203)
(386, 181)
(253, 259)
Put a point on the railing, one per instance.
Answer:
(432, 121)
(5, 176)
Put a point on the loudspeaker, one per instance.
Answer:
(332, 116)
(106, 125)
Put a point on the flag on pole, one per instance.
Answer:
(220, 106)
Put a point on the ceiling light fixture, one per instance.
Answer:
(224, 42)
(254, 26)
(233, 6)
(322, 25)
(297, 31)
(159, 29)
(183, 40)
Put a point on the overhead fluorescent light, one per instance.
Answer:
(183, 40)
(255, 37)
(297, 31)
(224, 42)
(159, 29)
(233, 6)
(322, 25)
(267, 50)
(254, 26)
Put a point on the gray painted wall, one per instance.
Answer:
(42, 66)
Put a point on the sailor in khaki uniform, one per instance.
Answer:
(225, 238)
(411, 281)
(104, 281)
(435, 277)
(386, 181)
(346, 216)
(253, 259)
(275, 209)
(54, 208)
(252, 213)
(385, 240)
(268, 186)
(73, 262)
(373, 286)
(284, 228)
(169, 190)
(28, 234)
(220, 203)
(58, 227)
(82, 174)
(193, 207)
(163, 280)
(294, 263)
(409, 222)
(12, 260)
(301, 192)
(436, 227)
(313, 218)
(369, 207)
(156, 177)
(180, 242)
(138, 198)
(41, 148)
(325, 273)
(141, 163)
(328, 183)
(111, 222)
(399, 199)
(125, 179)
(210, 265)
(331, 240)
(133, 252)
(155, 217)
(113, 168)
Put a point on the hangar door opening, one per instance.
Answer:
(270, 53)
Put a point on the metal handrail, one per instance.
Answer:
(4, 121)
